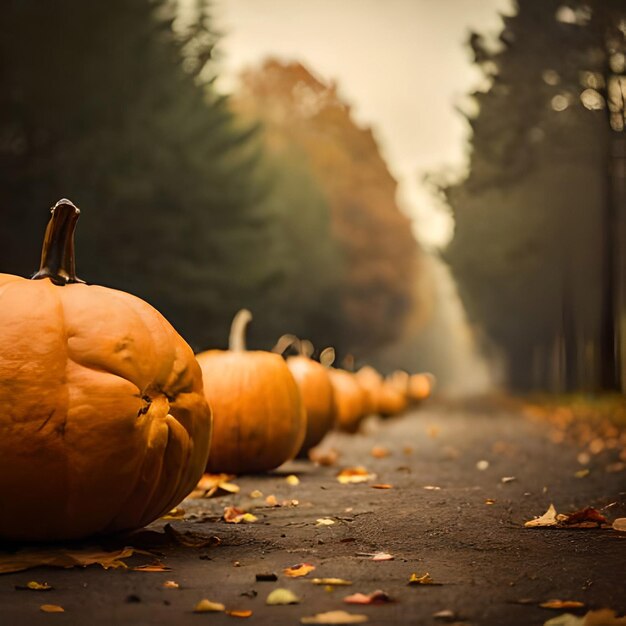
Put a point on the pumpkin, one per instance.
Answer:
(420, 386)
(350, 400)
(259, 421)
(317, 394)
(391, 399)
(371, 382)
(104, 426)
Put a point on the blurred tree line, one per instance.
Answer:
(113, 105)
(539, 248)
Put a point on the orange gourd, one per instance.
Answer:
(317, 395)
(350, 400)
(259, 421)
(420, 386)
(104, 426)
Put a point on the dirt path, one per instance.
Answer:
(485, 559)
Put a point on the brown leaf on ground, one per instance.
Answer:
(382, 486)
(157, 566)
(379, 452)
(355, 475)
(51, 608)
(376, 597)
(561, 604)
(299, 570)
(170, 584)
(58, 557)
(213, 485)
(234, 515)
(620, 524)
(334, 617)
(382, 556)
(190, 539)
(424, 579)
(581, 519)
(239, 613)
(327, 458)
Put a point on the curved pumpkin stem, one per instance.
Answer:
(237, 338)
(327, 356)
(284, 343)
(57, 254)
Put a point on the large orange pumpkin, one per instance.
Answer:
(103, 423)
(259, 421)
(318, 398)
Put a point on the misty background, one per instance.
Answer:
(425, 186)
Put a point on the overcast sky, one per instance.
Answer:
(401, 64)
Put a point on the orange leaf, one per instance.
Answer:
(239, 613)
(152, 567)
(382, 486)
(562, 604)
(51, 608)
(296, 571)
(355, 475)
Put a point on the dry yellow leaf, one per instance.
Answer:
(292, 480)
(424, 579)
(355, 475)
(51, 608)
(207, 606)
(256, 494)
(152, 567)
(337, 582)
(562, 604)
(176, 513)
(546, 520)
(282, 596)
(324, 521)
(171, 584)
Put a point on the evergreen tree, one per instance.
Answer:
(531, 231)
(104, 103)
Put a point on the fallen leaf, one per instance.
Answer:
(282, 596)
(334, 617)
(424, 579)
(582, 473)
(336, 582)
(382, 486)
(613, 468)
(585, 518)
(207, 606)
(212, 485)
(620, 524)
(256, 494)
(171, 584)
(266, 577)
(191, 539)
(379, 452)
(548, 519)
(176, 513)
(376, 597)
(482, 465)
(55, 557)
(490, 501)
(324, 521)
(408, 450)
(33, 585)
(507, 479)
(271, 500)
(446, 614)
(157, 566)
(233, 515)
(561, 604)
(297, 571)
(327, 458)
(240, 613)
(354, 475)
(431, 488)
(433, 431)
(51, 608)
(382, 556)
(292, 480)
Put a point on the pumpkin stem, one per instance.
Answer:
(237, 338)
(57, 254)
(284, 343)
(306, 348)
(327, 356)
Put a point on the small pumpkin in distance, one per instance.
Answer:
(420, 386)
(316, 391)
(103, 423)
(371, 382)
(350, 399)
(259, 421)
